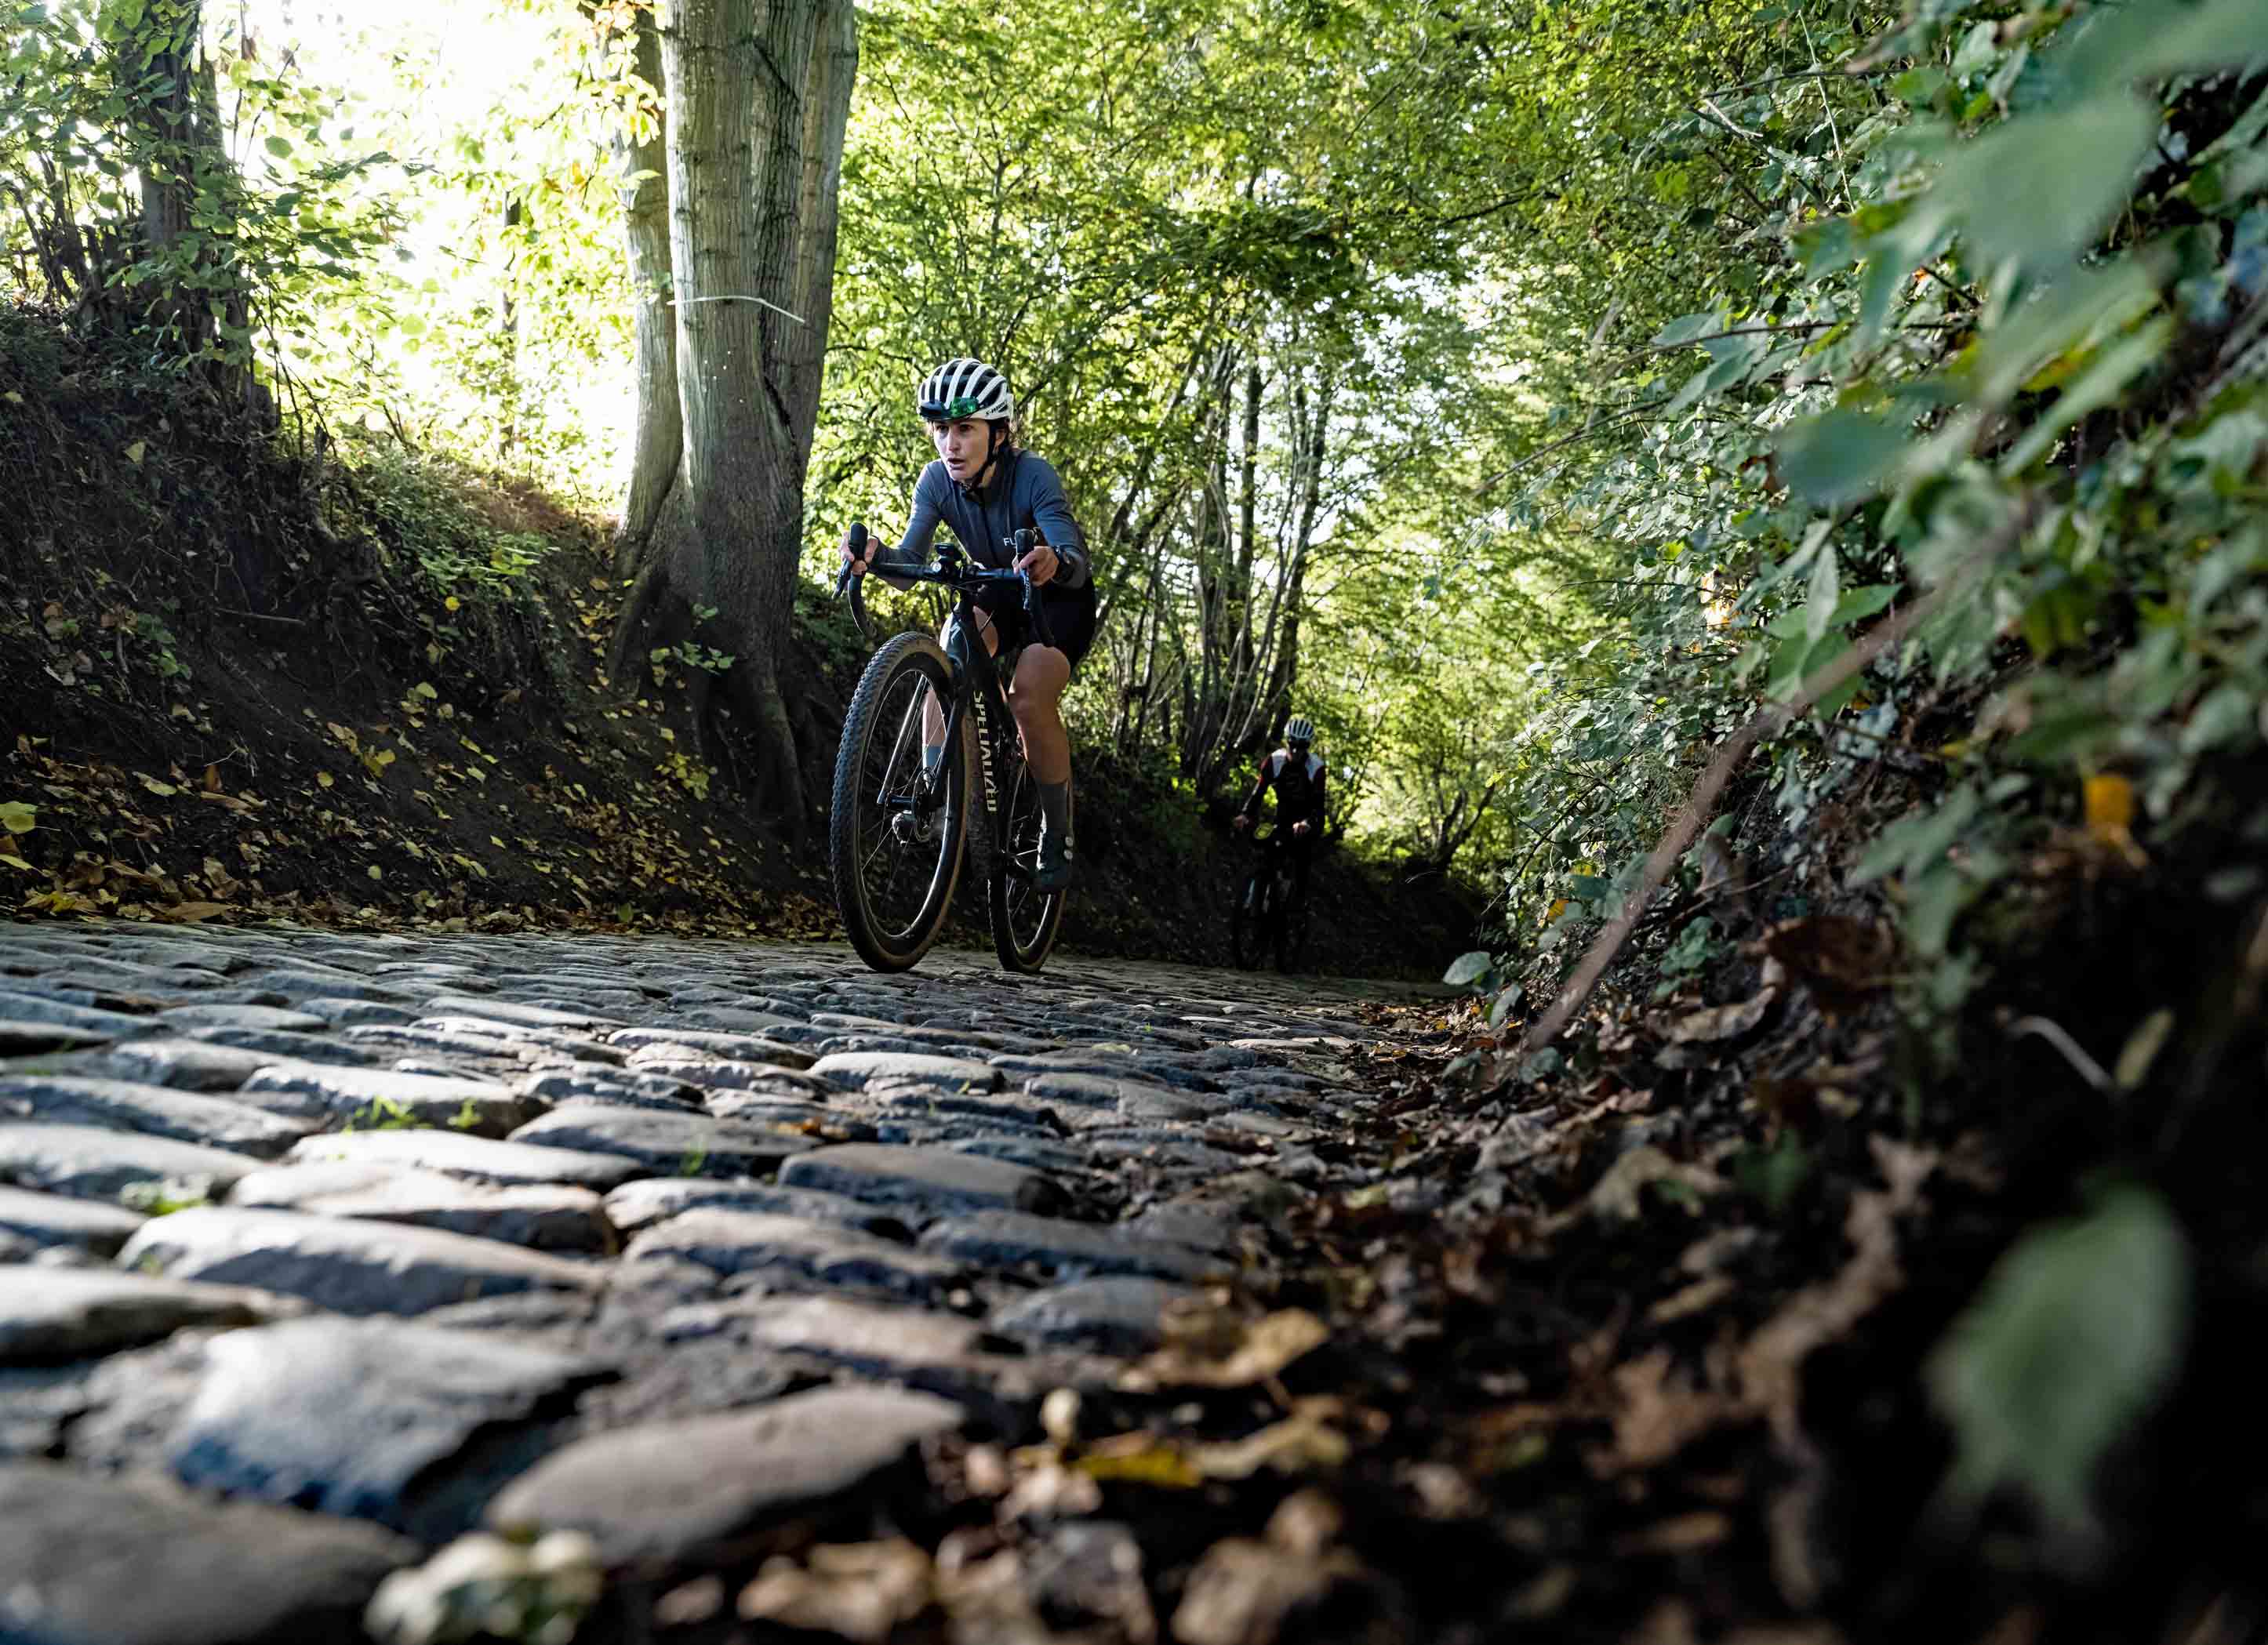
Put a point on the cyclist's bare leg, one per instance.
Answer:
(1042, 673)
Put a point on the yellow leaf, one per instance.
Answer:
(16, 816)
(452, 604)
(12, 398)
(190, 913)
(2110, 807)
(323, 779)
(1149, 1463)
(134, 452)
(161, 790)
(16, 861)
(376, 872)
(424, 690)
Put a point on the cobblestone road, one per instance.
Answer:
(319, 1252)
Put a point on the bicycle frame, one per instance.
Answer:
(975, 670)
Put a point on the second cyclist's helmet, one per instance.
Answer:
(965, 388)
(1300, 732)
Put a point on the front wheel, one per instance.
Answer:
(1247, 921)
(1291, 933)
(896, 834)
(1024, 919)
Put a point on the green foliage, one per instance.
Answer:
(251, 220)
(1988, 338)
(423, 508)
(382, 1113)
(2074, 1336)
(1694, 950)
(161, 1199)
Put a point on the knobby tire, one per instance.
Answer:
(892, 887)
(1248, 921)
(1024, 920)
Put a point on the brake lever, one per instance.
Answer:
(850, 580)
(1024, 541)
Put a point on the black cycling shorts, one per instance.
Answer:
(1069, 615)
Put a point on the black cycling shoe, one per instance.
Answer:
(1054, 871)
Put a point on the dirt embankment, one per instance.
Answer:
(247, 681)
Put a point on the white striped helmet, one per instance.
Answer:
(965, 388)
(1301, 729)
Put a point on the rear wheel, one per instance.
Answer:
(1024, 919)
(896, 836)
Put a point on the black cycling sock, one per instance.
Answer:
(1055, 810)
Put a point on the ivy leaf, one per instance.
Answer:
(2077, 1331)
(2145, 43)
(1468, 968)
(2039, 189)
(1840, 456)
(2094, 387)
(1687, 327)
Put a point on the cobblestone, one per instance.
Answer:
(559, 1234)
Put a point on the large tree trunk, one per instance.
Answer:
(657, 442)
(759, 95)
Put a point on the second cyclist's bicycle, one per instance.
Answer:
(1269, 912)
(900, 826)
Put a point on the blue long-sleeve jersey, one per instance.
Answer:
(1024, 491)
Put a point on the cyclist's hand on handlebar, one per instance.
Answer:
(857, 552)
(1040, 564)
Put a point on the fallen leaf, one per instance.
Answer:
(1684, 1533)
(1255, 1353)
(2109, 802)
(1722, 1021)
(1140, 1459)
(134, 453)
(17, 818)
(190, 913)
(1658, 1413)
(860, 1591)
(1844, 962)
(1302, 1442)
(1693, 1299)
(1617, 1194)
(163, 790)
(16, 861)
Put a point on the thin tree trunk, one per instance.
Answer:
(174, 110)
(657, 445)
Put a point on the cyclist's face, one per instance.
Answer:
(964, 444)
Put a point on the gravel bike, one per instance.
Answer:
(1268, 913)
(901, 825)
